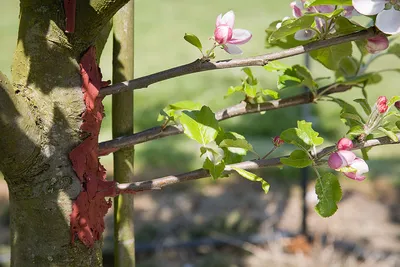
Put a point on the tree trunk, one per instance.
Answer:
(40, 119)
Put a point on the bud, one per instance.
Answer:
(277, 141)
(361, 166)
(222, 34)
(345, 144)
(341, 159)
(377, 43)
(381, 104)
(296, 9)
(397, 105)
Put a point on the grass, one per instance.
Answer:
(160, 26)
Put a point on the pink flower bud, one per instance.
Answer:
(361, 166)
(377, 43)
(341, 159)
(381, 104)
(345, 144)
(296, 9)
(222, 34)
(277, 141)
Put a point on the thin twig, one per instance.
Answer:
(242, 108)
(200, 65)
(159, 183)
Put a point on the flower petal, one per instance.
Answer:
(354, 176)
(388, 21)
(369, 7)
(228, 19)
(296, 10)
(232, 49)
(240, 36)
(304, 35)
(218, 22)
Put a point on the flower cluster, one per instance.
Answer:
(227, 36)
(347, 162)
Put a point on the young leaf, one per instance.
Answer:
(201, 125)
(327, 2)
(356, 130)
(297, 159)
(238, 146)
(364, 104)
(394, 50)
(290, 136)
(290, 27)
(331, 56)
(271, 93)
(345, 26)
(193, 40)
(329, 194)
(170, 111)
(393, 100)
(250, 90)
(253, 177)
(235, 89)
(389, 133)
(215, 170)
(250, 77)
(306, 133)
(275, 65)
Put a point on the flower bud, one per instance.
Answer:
(381, 104)
(345, 144)
(223, 34)
(397, 105)
(377, 43)
(361, 166)
(341, 159)
(277, 141)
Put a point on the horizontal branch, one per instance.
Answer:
(201, 65)
(159, 183)
(242, 108)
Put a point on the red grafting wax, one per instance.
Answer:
(70, 9)
(90, 207)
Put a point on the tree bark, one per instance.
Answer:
(40, 117)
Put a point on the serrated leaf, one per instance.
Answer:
(297, 159)
(201, 125)
(307, 134)
(193, 40)
(215, 170)
(250, 91)
(290, 136)
(296, 75)
(389, 134)
(290, 27)
(238, 146)
(329, 194)
(364, 104)
(331, 56)
(271, 93)
(253, 177)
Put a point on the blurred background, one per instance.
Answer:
(231, 222)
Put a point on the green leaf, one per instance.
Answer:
(290, 137)
(275, 65)
(329, 194)
(356, 130)
(238, 146)
(235, 89)
(368, 78)
(389, 133)
(252, 177)
(250, 77)
(297, 159)
(346, 113)
(355, 119)
(284, 43)
(394, 50)
(200, 126)
(296, 75)
(306, 133)
(193, 40)
(364, 104)
(251, 91)
(230, 157)
(327, 2)
(393, 100)
(345, 26)
(215, 170)
(271, 93)
(331, 56)
(213, 152)
(291, 26)
(348, 67)
(171, 111)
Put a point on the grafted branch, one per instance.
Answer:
(200, 65)
(242, 108)
(159, 183)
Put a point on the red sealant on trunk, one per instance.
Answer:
(70, 10)
(90, 207)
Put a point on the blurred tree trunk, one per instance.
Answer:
(40, 116)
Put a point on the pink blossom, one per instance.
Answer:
(277, 141)
(345, 144)
(340, 159)
(387, 11)
(229, 37)
(377, 43)
(381, 104)
(361, 167)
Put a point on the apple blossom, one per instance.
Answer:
(229, 37)
(387, 11)
(361, 166)
(377, 43)
(345, 144)
(340, 159)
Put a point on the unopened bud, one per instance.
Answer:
(381, 104)
(377, 43)
(277, 141)
(345, 144)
